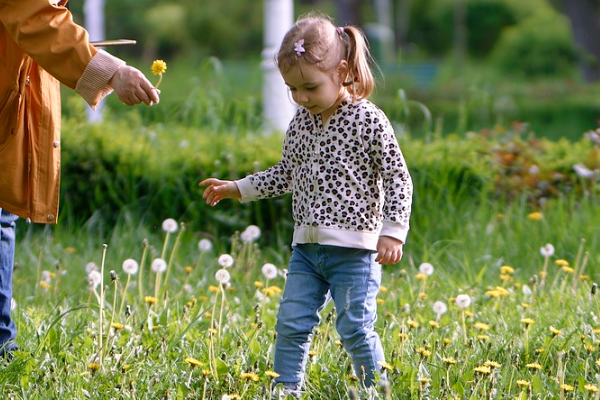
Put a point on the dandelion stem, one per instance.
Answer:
(578, 276)
(124, 294)
(544, 271)
(140, 290)
(221, 311)
(182, 228)
(577, 263)
(464, 326)
(100, 317)
(114, 305)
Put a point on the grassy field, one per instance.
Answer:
(531, 329)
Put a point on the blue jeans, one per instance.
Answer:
(352, 278)
(8, 331)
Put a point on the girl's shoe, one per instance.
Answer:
(284, 391)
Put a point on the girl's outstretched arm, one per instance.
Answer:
(218, 190)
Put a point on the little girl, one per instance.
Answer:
(351, 195)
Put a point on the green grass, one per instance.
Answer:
(466, 242)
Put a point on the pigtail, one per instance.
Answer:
(360, 82)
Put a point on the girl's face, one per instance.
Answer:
(319, 92)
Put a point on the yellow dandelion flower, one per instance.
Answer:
(434, 324)
(272, 374)
(566, 388)
(534, 366)
(403, 336)
(380, 301)
(483, 338)
(421, 276)
(523, 382)
(483, 370)
(70, 250)
(447, 341)
(424, 380)
(193, 362)
(491, 364)
(527, 321)
(249, 376)
(117, 326)
(423, 351)
(234, 396)
(525, 305)
(540, 350)
(312, 353)
(412, 323)
(385, 365)
(207, 314)
(535, 216)
(353, 378)
(212, 331)
(188, 269)
(468, 314)
(591, 388)
(584, 277)
(422, 296)
(276, 289)
(150, 299)
(561, 263)
(506, 278)
(499, 216)
(205, 371)
(590, 348)
(507, 270)
(481, 326)
(258, 284)
(94, 366)
(213, 289)
(126, 367)
(158, 67)
(202, 298)
(268, 292)
(568, 270)
(383, 289)
(45, 285)
(449, 360)
(339, 343)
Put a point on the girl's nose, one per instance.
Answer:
(302, 97)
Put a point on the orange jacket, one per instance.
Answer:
(40, 46)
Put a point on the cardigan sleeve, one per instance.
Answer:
(48, 34)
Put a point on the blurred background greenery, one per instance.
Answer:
(473, 63)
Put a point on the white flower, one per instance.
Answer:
(169, 225)
(205, 245)
(250, 234)
(130, 266)
(91, 266)
(269, 271)
(439, 307)
(159, 265)
(223, 276)
(188, 288)
(426, 269)
(583, 171)
(13, 304)
(534, 170)
(547, 250)
(463, 300)
(526, 291)
(225, 260)
(46, 276)
(94, 279)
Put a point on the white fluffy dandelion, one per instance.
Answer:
(130, 266)
(223, 276)
(439, 307)
(205, 245)
(269, 271)
(91, 266)
(526, 291)
(426, 268)
(159, 265)
(94, 279)
(250, 234)
(463, 300)
(225, 260)
(169, 225)
(583, 171)
(547, 250)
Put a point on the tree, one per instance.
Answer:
(585, 25)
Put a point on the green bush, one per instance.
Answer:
(539, 45)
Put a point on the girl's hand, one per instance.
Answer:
(389, 250)
(218, 190)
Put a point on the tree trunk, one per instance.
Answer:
(402, 22)
(585, 24)
(348, 12)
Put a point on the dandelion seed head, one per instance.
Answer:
(94, 279)
(91, 266)
(426, 268)
(170, 225)
(547, 250)
(205, 245)
(225, 260)
(222, 276)
(250, 234)
(439, 307)
(269, 271)
(463, 300)
(159, 265)
(130, 266)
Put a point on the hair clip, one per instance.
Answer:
(339, 30)
(299, 47)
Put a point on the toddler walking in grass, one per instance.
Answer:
(351, 194)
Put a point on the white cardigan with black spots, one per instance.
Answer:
(348, 178)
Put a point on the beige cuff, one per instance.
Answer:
(93, 84)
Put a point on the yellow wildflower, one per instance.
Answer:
(568, 270)
(117, 326)
(535, 216)
(449, 360)
(94, 366)
(534, 366)
(423, 351)
(507, 270)
(158, 67)
(213, 289)
(421, 276)
(523, 382)
(527, 321)
(483, 338)
(380, 301)
(434, 324)
(423, 296)
(249, 376)
(383, 289)
(150, 299)
(412, 323)
(491, 364)
(561, 263)
(566, 388)
(483, 370)
(45, 285)
(193, 362)
(385, 365)
(188, 269)
(272, 374)
(481, 326)
(591, 388)
(258, 284)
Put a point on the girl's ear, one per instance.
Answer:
(342, 70)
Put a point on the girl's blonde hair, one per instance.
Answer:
(325, 46)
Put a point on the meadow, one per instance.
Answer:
(143, 292)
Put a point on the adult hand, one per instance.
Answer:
(218, 190)
(389, 250)
(132, 87)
